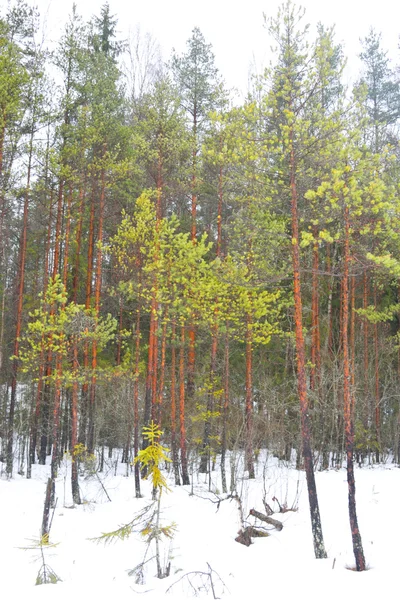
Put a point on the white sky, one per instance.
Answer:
(235, 29)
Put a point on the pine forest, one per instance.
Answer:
(174, 262)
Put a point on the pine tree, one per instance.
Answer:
(292, 90)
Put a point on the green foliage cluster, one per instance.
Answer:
(56, 326)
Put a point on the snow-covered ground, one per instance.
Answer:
(278, 567)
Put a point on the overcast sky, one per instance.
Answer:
(235, 29)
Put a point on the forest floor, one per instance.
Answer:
(206, 561)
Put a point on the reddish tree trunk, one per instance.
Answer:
(318, 540)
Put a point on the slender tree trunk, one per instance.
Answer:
(193, 230)
(154, 397)
(97, 297)
(225, 414)
(319, 546)
(83, 437)
(219, 215)
(67, 236)
(150, 369)
(205, 452)
(190, 391)
(377, 385)
(347, 405)
(329, 337)
(56, 427)
(2, 137)
(120, 330)
(58, 367)
(173, 407)
(160, 394)
(315, 373)
(249, 398)
(182, 427)
(136, 403)
(3, 306)
(45, 442)
(38, 416)
(20, 299)
(366, 350)
(78, 242)
(74, 427)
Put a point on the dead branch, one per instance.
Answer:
(200, 580)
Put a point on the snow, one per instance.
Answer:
(280, 566)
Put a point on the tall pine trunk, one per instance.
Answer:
(348, 404)
(318, 540)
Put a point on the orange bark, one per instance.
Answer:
(319, 547)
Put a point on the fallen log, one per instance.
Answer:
(274, 522)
